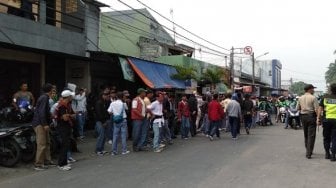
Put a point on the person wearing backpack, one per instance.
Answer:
(119, 118)
(65, 117)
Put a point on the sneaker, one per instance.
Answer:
(110, 142)
(158, 150)
(234, 138)
(125, 152)
(101, 153)
(40, 168)
(71, 160)
(64, 168)
(162, 146)
(211, 138)
(114, 153)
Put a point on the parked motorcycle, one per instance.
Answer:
(10, 151)
(294, 118)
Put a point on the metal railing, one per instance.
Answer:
(71, 25)
(22, 12)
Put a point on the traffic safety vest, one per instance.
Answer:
(330, 108)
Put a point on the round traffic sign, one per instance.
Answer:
(248, 50)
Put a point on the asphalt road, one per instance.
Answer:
(269, 157)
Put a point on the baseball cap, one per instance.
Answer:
(308, 87)
(126, 93)
(67, 93)
(140, 90)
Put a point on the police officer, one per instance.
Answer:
(308, 106)
(328, 109)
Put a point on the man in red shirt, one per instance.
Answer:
(216, 114)
(184, 117)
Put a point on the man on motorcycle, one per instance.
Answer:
(264, 105)
(281, 103)
(23, 98)
(292, 103)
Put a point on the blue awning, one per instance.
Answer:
(156, 75)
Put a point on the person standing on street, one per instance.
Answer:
(224, 104)
(79, 107)
(328, 120)
(216, 115)
(233, 111)
(156, 108)
(65, 118)
(41, 122)
(192, 103)
(119, 116)
(184, 117)
(138, 114)
(308, 106)
(102, 121)
(248, 110)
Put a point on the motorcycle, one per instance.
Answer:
(283, 115)
(294, 118)
(263, 118)
(10, 151)
(17, 144)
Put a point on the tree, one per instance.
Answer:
(214, 76)
(330, 75)
(185, 73)
(297, 88)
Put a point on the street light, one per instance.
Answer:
(253, 65)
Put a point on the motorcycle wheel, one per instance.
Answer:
(29, 153)
(11, 153)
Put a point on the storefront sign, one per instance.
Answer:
(126, 69)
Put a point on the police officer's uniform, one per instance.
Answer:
(328, 103)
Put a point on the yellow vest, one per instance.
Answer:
(330, 108)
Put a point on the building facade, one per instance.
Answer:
(47, 42)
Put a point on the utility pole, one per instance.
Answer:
(232, 68)
(253, 72)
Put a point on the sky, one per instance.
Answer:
(300, 33)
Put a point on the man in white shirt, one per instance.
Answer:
(157, 110)
(118, 110)
(79, 107)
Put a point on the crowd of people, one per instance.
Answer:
(153, 119)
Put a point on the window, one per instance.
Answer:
(23, 8)
(71, 6)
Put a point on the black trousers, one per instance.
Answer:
(329, 136)
(309, 131)
(193, 118)
(65, 134)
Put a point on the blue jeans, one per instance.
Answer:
(109, 131)
(80, 118)
(100, 129)
(120, 129)
(214, 126)
(206, 124)
(234, 126)
(156, 139)
(139, 133)
(165, 131)
(185, 127)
